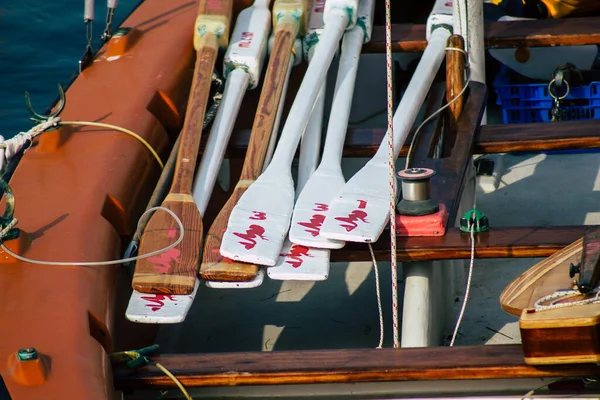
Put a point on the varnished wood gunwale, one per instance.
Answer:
(500, 34)
(494, 138)
(498, 242)
(347, 365)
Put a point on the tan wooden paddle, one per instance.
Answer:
(174, 271)
(289, 19)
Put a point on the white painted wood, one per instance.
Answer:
(266, 207)
(243, 62)
(159, 308)
(218, 138)
(361, 209)
(328, 180)
(256, 282)
(300, 263)
(259, 278)
(294, 60)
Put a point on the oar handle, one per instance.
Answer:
(273, 85)
(192, 128)
(343, 95)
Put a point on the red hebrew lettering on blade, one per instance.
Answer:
(321, 207)
(162, 262)
(294, 257)
(314, 225)
(246, 40)
(252, 232)
(356, 215)
(157, 301)
(258, 216)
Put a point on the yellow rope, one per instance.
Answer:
(135, 354)
(118, 128)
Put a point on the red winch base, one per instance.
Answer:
(423, 225)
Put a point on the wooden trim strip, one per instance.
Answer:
(506, 34)
(498, 242)
(567, 135)
(347, 365)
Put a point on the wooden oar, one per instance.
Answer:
(259, 222)
(288, 20)
(242, 64)
(292, 262)
(313, 203)
(174, 271)
(361, 209)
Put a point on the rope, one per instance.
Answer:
(426, 120)
(99, 263)
(468, 289)
(564, 295)
(392, 170)
(378, 289)
(9, 148)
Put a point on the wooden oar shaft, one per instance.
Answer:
(455, 79)
(192, 127)
(268, 103)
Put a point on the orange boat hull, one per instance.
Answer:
(79, 192)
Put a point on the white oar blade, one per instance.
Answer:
(259, 222)
(256, 282)
(312, 206)
(159, 308)
(362, 209)
(300, 263)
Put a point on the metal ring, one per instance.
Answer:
(550, 85)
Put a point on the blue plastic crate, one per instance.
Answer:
(522, 103)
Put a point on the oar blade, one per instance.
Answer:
(256, 282)
(173, 271)
(311, 209)
(300, 263)
(214, 266)
(158, 308)
(361, 210)
(260, 221)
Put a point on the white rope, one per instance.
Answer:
(378, 290)
(468, 288)
(392, 171)
(563, 295)
(9, 148)
(111, 262)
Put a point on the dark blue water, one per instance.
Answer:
(41, 43)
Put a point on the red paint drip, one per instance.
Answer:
(171, 233)
(163, 260)
(252, 232)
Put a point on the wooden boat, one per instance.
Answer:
(79, 192)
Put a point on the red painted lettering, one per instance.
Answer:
(259, 216)
(162, 262)
(246, 39)
(319, 6)
(362, 204)
(252, 232)
(350, 220)
(294, 257)
(314, 225)
(321, 207)
(157, 301)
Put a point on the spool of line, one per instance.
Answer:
(416, 192)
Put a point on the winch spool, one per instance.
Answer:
(416, 192)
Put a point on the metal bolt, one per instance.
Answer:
(27, 354)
